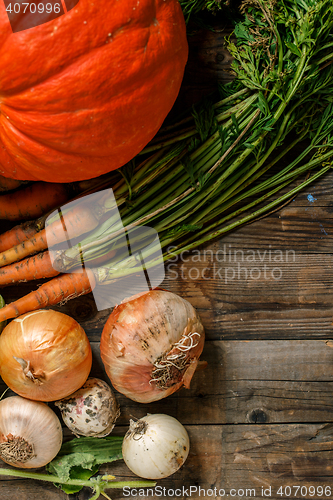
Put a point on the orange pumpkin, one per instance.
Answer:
(84, 93)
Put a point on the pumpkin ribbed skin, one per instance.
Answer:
(83, 94)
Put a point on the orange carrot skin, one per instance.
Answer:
(32, 268)
(102, 259)
(56, 291)
(77, 221)
(32, 201)
(29, 247)
(7, 184)
(18, 234)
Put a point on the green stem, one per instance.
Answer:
(74, 482)
(208, 235)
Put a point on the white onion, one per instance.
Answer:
(155, 446)
(30, 433)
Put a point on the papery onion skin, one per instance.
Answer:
(155, 446)
(38, 427)
(90, 411)
(141, 330)
(56, 350)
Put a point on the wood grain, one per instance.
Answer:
(249, 382)
(246, 382)
(260, 414)
(20, 489)
(230, 458)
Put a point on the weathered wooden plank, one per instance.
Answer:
(263, 293)
(247, 296)
(22, 489)
(234, 459)
(208, 63)
(279, 456)
(319, 193)
(238, 461)
(244, 293)
(246, 382)
(285, 230)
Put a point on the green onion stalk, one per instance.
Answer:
(231, 160)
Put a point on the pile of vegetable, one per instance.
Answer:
(46, 355)
(216, 168)
(209, 173)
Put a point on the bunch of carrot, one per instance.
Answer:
(202, 176)
(33, 238)
(24, 253)
(34, 254)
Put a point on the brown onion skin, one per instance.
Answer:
(137, 326)
(57, 348)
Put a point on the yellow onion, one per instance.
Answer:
(151, 344)
(30, 433)
(44, 355)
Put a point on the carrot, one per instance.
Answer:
(79, 220)
(32, 268)
(56, 291)
(21, 232)
(32, 201)
(7, 184)
(102, 259)
(39, 267)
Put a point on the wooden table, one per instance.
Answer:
(259, 416)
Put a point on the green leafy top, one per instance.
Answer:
(81, 457)
(77, 461)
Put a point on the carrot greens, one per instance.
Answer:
(235, 156)
(279, 101)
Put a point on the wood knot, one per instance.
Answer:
(257, 416)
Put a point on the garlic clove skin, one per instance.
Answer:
(30, 433)
(155, 446)
(90, 411)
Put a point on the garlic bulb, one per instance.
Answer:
(150, 345)
(90, 411)
(155, 446)
(30, 433)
